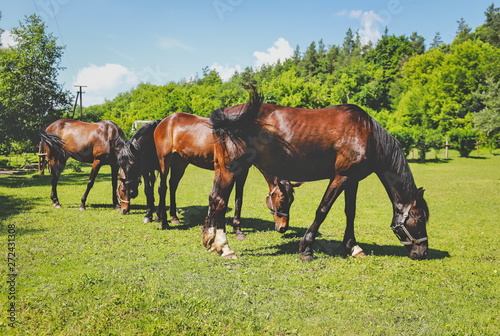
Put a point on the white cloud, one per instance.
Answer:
(167, 43)
(225, 72)
(105, 82)
(281, 50)
(7, 39)
(370, 24)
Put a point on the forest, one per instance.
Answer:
(424, 93)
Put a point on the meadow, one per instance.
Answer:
(98, 272)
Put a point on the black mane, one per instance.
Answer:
(391, 160)
(132, 146)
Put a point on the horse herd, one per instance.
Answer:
(341, 143)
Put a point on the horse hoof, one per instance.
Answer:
(57, 206)
(165, 226)
(307, 257)
(230, 256)
(240, 236)
(81, 208)
(175, 221)
(146, 220)
(357, 252)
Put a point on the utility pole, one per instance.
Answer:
(79, 93)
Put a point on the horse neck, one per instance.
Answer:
(399, 184)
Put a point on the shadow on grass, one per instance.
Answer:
(334, 248)
(10, 206)
(35, 180)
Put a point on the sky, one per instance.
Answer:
(111, 46)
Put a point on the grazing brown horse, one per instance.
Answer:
(182, 139)
(341, 143)
(96, 143)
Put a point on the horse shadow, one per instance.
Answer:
(334, 248)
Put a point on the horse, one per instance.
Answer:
(341, 143)
(96, 143)
(171, 145)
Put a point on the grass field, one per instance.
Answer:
(100, 273)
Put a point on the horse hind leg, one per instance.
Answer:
(56, 169)
(178, 167)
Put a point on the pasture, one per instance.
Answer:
(97, 272)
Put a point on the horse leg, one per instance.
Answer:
(149, 182)
(214, 236)
(334, 189)
(349, 242)
(56, 168)
(240, 183)
(178, 167)
(96, 166)
(114, 185)
(162, 191)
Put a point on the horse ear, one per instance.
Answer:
(297, 184)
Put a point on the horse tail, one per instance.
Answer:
(52, 143)
(236, 127)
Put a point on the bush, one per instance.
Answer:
(464, 140)
(405, 139)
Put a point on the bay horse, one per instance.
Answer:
(96, 143)
(170, 146)
(340, 143)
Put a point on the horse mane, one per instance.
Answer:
(127, 155)
(392, 160)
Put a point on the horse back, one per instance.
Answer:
(188, 137)
(86, 141)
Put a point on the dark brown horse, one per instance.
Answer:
(138, 159)
(341, 143)
(179, 140)
(97, 143)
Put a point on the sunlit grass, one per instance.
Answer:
(100, 273)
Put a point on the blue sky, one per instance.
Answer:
(111, 46)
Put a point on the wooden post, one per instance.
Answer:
(447, 146)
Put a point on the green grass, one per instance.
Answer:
(100, 273)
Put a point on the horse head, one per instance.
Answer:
(130, 173)
(279, 200)
(409, 225)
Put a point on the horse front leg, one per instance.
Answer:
(114, 185)
(96, 166)
(349, 242)
(149, 182)
(333, 191)
(240, 184)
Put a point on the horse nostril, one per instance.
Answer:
(282, 229)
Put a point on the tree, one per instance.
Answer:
(29, 93)
(437, 41)
(489, 32)
(463, 32)
(487, 121)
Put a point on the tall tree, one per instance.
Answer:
(490, 31)
(29, 91)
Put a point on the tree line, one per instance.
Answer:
(422, 95)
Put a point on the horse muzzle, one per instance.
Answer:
(418, 251)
